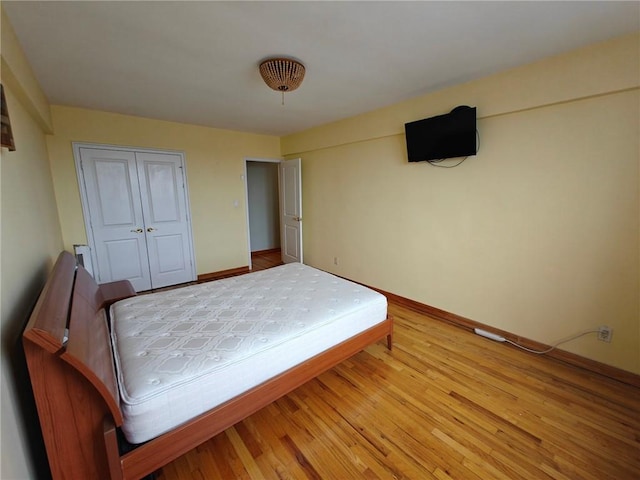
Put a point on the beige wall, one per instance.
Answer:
(30, 242)
(536, 235)
(214, 164)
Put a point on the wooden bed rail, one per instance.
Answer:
(152, 455)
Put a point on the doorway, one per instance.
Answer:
(263, 214)
(274, 207)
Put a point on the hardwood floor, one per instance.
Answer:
(265, 259)
(444, 403)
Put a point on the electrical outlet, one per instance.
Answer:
(335, 260)
(605, 333)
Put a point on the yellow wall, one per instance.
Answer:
(214, 164)
(30, 242)
(537, 235)
(17, 75)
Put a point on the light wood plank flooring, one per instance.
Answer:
(443, 404)
(267, 259)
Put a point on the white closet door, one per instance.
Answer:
(138, 224)
(166, 221)
(116, 220)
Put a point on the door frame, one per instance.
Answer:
(246, 198)
(85, 203)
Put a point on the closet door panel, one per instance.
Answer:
(125, 260)
(166, 218)
(162, 184)
(170, 253)
(116, 218)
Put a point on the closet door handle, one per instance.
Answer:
(151, 229)
(137, 230)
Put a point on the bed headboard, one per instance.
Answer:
(73, 379)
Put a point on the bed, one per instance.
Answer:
(124, 384)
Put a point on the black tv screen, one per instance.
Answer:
(444, 136)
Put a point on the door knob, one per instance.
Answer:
(150, 229)
(137, 230)
(297, 219)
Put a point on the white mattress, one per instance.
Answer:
(182, 352)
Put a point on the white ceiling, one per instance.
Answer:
(196, 62)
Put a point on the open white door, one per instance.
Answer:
(291, 210)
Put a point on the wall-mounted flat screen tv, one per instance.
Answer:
(444, 136)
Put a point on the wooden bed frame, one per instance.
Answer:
(76, 393)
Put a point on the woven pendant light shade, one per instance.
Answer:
(282, 74)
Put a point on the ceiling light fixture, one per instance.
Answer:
(282, 74)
